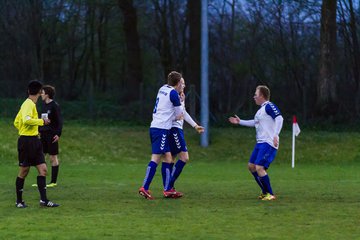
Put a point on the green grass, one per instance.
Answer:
(103, 166)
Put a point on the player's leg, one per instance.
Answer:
(252, 169)
(53, 150)
(41, 182)
(178, 147)
(266, 156)
(168, 191)
(38, 160)
(20, 180)
(45, 140)
(149, 175)
(54, 170)
(24, 168)
(166, 169)
(180, 164)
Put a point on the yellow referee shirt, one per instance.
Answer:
(27, 120)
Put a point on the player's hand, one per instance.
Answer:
(276, 141)
(199, 129)
(234, 120)
(55, 138)
(46, 121)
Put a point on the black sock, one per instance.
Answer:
(19, 189)
(54, 173)
(41, 182)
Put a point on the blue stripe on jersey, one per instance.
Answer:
(174, 98)
(272, 110)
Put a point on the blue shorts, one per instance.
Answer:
(263, 154)
(177, 141)
(159, 140)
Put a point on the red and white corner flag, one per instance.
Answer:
(295, 133)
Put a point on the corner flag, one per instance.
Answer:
(295, 133)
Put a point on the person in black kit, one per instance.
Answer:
(50, 134)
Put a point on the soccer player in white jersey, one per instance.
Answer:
(167, 109)
(178, 147)
(268, 123)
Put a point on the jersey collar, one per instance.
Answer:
(264, 103)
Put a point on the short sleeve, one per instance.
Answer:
(174, 98)
(272, 110)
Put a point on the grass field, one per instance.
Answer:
(103, 166)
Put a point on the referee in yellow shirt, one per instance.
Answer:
(30, 152)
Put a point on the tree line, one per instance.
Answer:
(121, 51)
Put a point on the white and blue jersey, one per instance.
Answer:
(163, 116)
(164, 111)
(265, 123)
(268, 123)
(177, 139)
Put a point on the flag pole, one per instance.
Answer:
(293, 144)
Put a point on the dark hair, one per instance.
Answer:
(265, 91)
(49, 90)
(34, 87)
(174, 78)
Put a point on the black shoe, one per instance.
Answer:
(48, 204)
(21, 205)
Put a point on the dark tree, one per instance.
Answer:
(134, 75)
(327, 96)
(193, 66)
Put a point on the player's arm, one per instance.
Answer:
(59, 120)
(17, 121)
(247, 123)
(175, 99)
(26, 114)
(275, 113)
(189, 120)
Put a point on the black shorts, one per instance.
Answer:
(30, 152)
(49, 147)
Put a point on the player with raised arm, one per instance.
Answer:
(167, 109)
(178, 146)
(268, 123)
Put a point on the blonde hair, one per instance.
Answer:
(265, 91)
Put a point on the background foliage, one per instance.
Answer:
(118, 53)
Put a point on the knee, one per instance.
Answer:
(260, 170)
(184, 159)
(251, 167)
(184, 156)
(43, 172)
(54, 160)
(23, 173)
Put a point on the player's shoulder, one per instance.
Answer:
(27, 103)
(55, 103)
(271, 107)
(165, 90)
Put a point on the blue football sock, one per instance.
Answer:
(176, 172)
(166, 175)
(256, 176)
(150, 172)
(265, 180)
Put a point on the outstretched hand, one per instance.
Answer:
(199, 129)
(234, 120)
